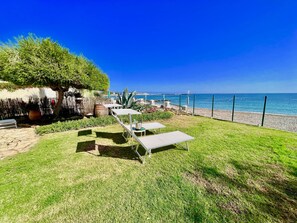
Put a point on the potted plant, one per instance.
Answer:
(33, 109)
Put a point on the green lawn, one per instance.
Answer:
(233, 172)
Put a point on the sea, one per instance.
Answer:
(283, 104)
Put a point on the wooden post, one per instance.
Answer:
(212, 106)
(233, 107)
(194, 99)
(264, 109)
(180, 102)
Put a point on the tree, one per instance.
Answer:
(37, 62)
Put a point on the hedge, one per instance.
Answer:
(100, 121)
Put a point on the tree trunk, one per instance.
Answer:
(59, 103)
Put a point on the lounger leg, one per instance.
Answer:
(124, 135)
(187, 146)
(142, 159)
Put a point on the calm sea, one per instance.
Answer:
(276, 103)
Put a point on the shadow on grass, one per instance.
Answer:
(279, 190)
(171, 147)
(268, 190)
(84, 132)
(120, 152)
(125, 152)
(86, 146)
(116, 136)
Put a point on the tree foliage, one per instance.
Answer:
(8, 86)
(37, 62)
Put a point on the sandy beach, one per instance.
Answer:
(282, 122)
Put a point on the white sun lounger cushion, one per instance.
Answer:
(164, 139)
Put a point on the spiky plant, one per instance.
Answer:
(126, 99)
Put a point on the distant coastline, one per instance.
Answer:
(277, 103)
(274, 121)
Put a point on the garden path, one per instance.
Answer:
(14, 141)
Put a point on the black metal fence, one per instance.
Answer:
(273, 110)
(232, 113)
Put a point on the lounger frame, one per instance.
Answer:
(8, 123)
(164, 139)
(148, 149)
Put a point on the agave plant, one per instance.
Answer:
(126, 99)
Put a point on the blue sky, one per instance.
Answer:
(171, 46)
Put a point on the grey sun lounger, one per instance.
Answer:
(147, 125)
(8, 123)
(160, 140)
(154, 141)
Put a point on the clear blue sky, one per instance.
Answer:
(171, 46)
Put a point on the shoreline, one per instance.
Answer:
(274, 121)
(191, 108)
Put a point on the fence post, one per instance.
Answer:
(233, 107)
(212, 105)
(194, 99)
(164, 101)
(180, 102)
(264, 109)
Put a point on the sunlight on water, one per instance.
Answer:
(276, 103)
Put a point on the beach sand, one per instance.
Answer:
(282, 122)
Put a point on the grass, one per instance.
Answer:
(233, 173)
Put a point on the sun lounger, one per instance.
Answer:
(147, 126)
(8, 123)
(153, 141)
(160, 140)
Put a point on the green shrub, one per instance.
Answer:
(100, 121)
